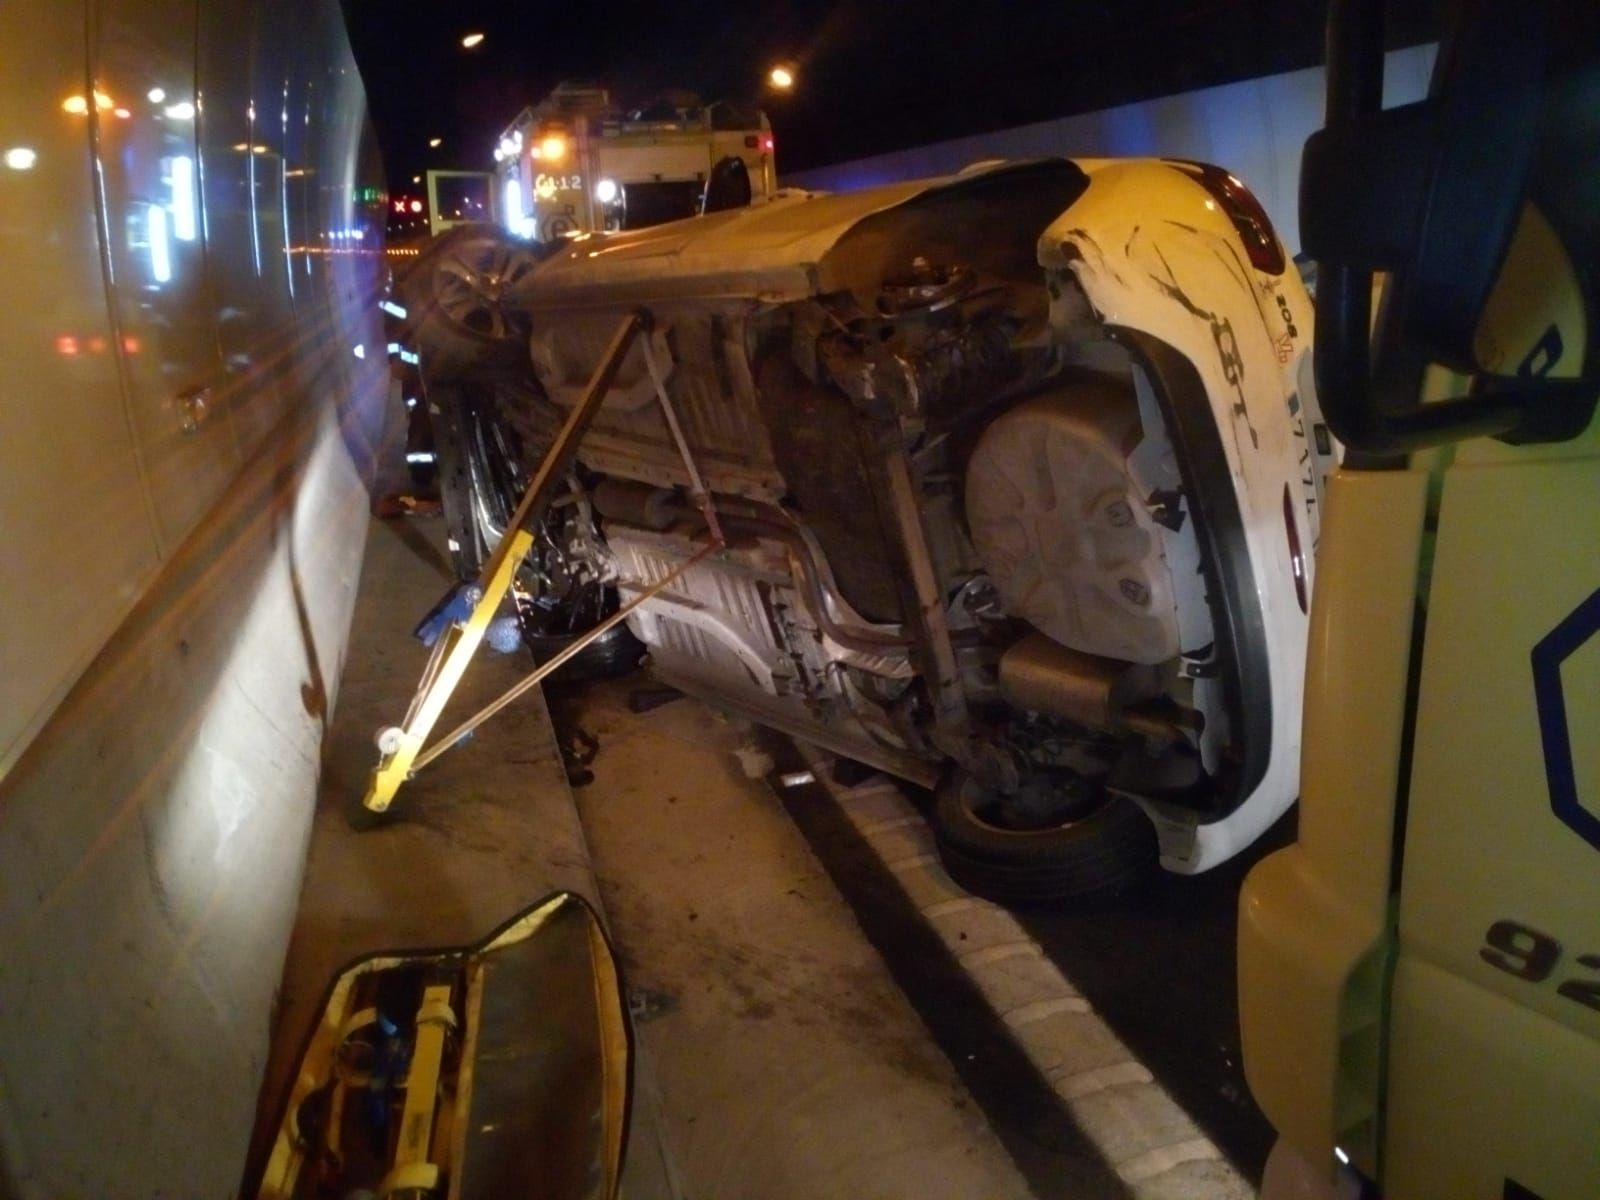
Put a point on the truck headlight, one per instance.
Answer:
(605, 191)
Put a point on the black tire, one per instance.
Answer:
(613, 654)
(1110, 849)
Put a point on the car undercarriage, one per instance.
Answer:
(967, 524)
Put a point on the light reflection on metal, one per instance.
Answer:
(156, 233)
(184, 225)
(283, 207)
(513, 203)
(252, 186)
(336, 251)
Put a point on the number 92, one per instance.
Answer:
(1528, 954)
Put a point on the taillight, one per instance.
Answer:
(1241, 207)
(766, 143)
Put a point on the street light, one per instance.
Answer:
(472, 40)
(435, 143)
(781, 78)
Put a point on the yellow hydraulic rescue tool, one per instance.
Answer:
(400, 746)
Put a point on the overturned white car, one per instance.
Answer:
(1015, 476)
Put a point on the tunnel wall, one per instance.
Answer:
(1255, 128)
(183, 481)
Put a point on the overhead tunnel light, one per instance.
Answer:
(21, 158)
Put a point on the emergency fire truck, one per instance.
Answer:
(577, 163)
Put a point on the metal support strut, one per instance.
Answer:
(401, 747)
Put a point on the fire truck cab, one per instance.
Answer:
(577, 163)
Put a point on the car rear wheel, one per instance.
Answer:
(1052, 840)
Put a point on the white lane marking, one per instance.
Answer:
(1075, 1085)
(1163, 1158)
(1040, 1010)
(911, 861)
(945, 908)
(999, 953)
(878, 827)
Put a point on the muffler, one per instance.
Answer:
(1043, 676)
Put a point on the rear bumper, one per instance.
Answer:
(1249, 620)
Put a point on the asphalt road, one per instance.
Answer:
(1157, 966)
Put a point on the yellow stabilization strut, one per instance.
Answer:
(401, 746)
